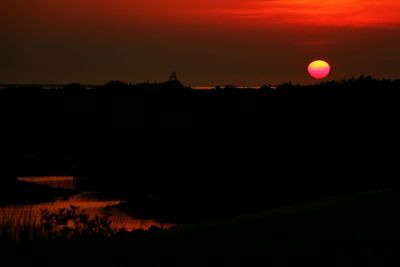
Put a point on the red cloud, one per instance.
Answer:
(353, 13)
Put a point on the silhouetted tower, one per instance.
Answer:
(173, 77)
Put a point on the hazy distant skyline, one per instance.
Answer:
(243, 42)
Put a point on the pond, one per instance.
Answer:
(91, 202)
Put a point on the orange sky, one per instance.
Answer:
(208, 42)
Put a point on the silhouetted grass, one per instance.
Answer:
(64, 224)
(18, 227)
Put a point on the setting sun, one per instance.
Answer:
(319, 69)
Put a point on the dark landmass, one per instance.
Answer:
(19, 192)
(280, 176)
(191, 156)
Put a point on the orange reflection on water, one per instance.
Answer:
(85, 201)
(67, 182)
(88, 201)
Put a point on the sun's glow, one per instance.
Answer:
(319, 69)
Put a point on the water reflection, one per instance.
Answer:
(66, 182)
(88, 201)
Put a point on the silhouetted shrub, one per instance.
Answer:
(74, 223)
(116, 85)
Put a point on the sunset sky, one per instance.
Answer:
(208, 42)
